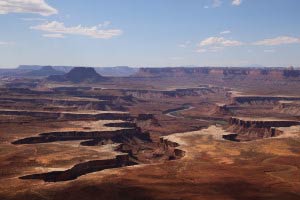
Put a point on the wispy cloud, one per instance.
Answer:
(185, 44)
(219, 41)
(281, 40)
(104, 24)
(225, 32)
(54, 35)
(216, 3)
(215, 44)
(26, 6)
(236, 2)
(93, 32)
(33, 19)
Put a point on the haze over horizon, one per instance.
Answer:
(150, 34)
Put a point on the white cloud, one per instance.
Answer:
(236, 2)
(54, 35)
(278, 41)
(219, 41)
(216, 3)
(185, 44)
(26, 6)
(94, 31)
(215, 44)
(225, 32)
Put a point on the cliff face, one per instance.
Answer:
(149, 94)
(172, 148)
(260, 73)
(82, 169)
(264, 99)
(92, 137)
(288, 107)
(244, 129)
(261, 123)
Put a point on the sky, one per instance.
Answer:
(150, 33)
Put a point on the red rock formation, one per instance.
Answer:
(221, 72)
(244, 129)
(172, 148)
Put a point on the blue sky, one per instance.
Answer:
(150, 33)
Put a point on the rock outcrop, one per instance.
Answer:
(288, 107)
(262, 99)
(245, 129)
(117, 136)
(221, 72)
(149, 94)
(82, 168)
(172, 148)
(78, 75)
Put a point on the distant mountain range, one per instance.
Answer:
(118, 71)
(43, 71)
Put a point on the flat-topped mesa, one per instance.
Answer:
(60, 104)
(221, 72)
(262, 122)
(91, 137)
(58, 115)
(181, 92)
(82, 169)
(245, 129)
(241, 99)
(78, 75)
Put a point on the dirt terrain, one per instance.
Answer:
(163, 133)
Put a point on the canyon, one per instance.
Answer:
(162, 133)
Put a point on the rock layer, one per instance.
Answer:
(245, 129)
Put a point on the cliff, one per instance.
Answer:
(78, 75)
(266, 99)
(288, 107)
(245, 129)
(221, 72)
